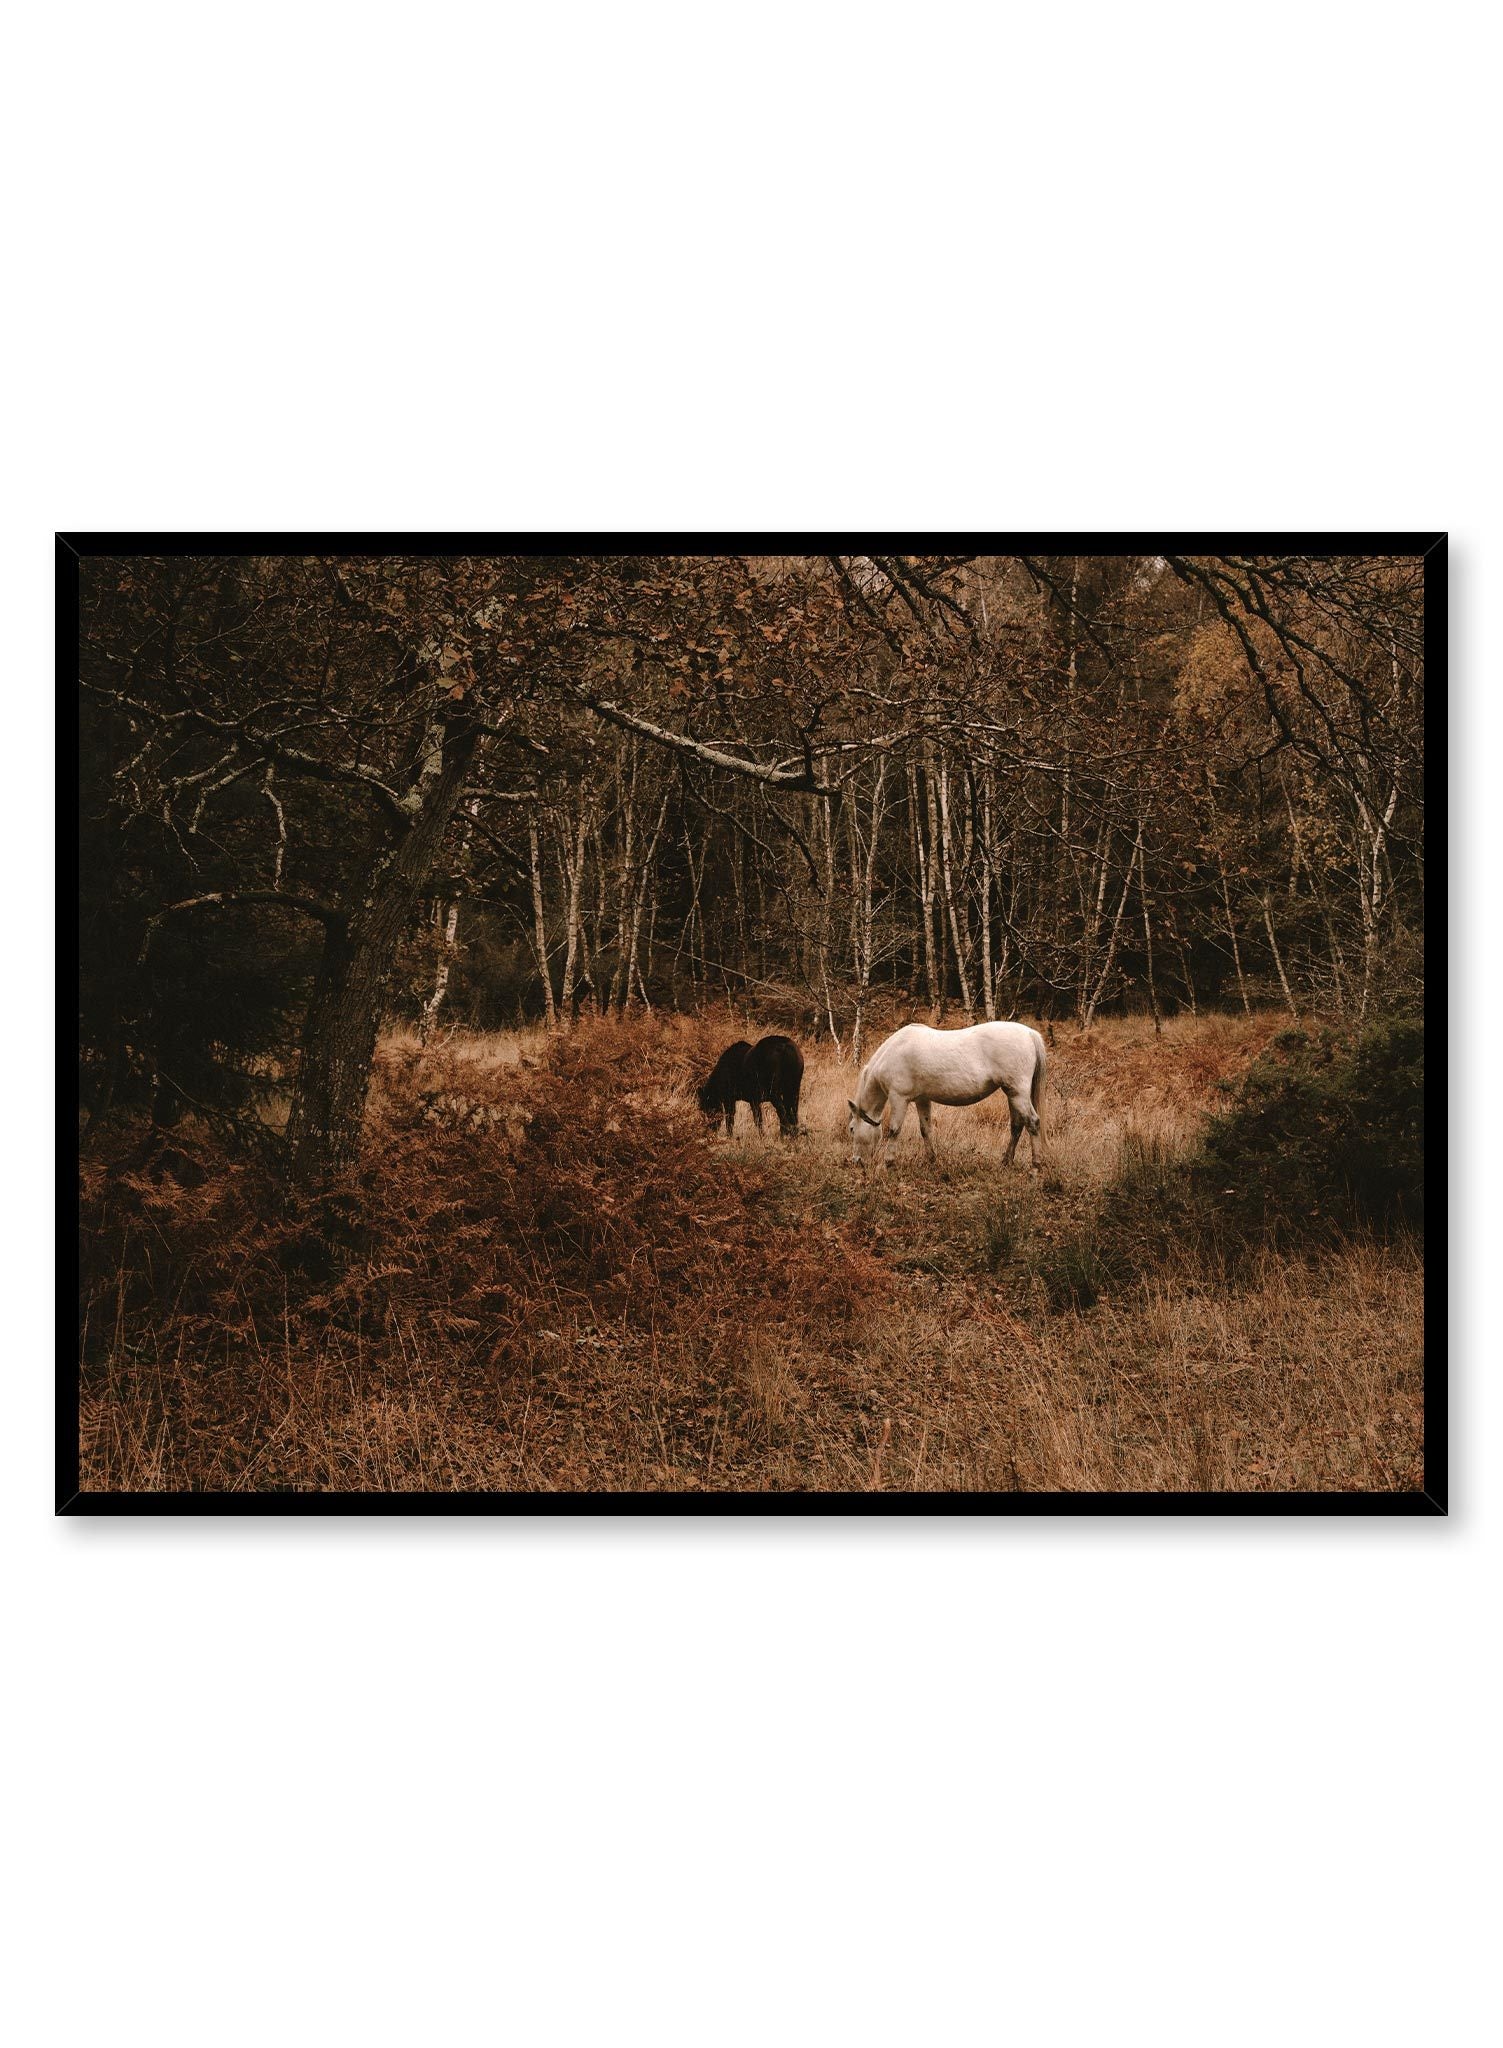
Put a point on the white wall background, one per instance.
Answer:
(793, 266)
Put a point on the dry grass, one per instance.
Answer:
(562, 1283)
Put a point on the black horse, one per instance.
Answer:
(772, 1071)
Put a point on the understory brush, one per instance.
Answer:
(547, 1273)
(1321, 1144)
(504, 1221)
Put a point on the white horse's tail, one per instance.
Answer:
(1036, 1087)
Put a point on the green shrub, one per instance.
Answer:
(1324, 1138)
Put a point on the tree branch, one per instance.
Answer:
(276, 750)
(222, 899)
(713, 757)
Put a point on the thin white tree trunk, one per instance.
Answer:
(925, 883)
(1370, 850)
(540, 927)
(440, 987)
(863, 876)
(1273, 947)
(1231, 927)
(1111, 951)
(961, 950)
(1153, 992)
(988, 994)
(1092, 918)
(1070, 675)
(639, 894)
(449, 921)
(693, 919)
(620, 988)
(574, 860)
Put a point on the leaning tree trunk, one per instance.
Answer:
(1278, 958)
(344, 1017)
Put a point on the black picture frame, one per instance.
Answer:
(1431, 1499)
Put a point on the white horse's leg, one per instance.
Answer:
(897, 1109)
(923, 1109)
(1020, 1108)
(1017, 1132)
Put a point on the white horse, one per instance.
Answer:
(923, 1066)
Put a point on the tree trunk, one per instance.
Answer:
(1373, 836)
(1231, 928)
(1067, 859)
(441, 972)
(1153, 992)
(1226, 894)
(988, 993)
(738, 879)
(644, 972)
(863, 873)
(925, 884)
(821, 823)
(450, 926)
(1091, 920)
(540, 926)
(619, 989)
(594, 966)
(1184, 966)
(1111, 950)
(1273, 947)
(344, 1017)
(686, 931)
(931, 869)
(574, 860)
(639, 894)
(947, 877)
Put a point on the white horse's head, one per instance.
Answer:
(863, 1132)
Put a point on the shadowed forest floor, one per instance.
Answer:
(557, 1281)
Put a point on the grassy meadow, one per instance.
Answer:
(553, 1278)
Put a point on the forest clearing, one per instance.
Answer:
(571, 1285)
(422, 895)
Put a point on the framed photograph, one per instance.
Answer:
(767, 1023)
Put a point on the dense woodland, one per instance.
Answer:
(320, 794)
